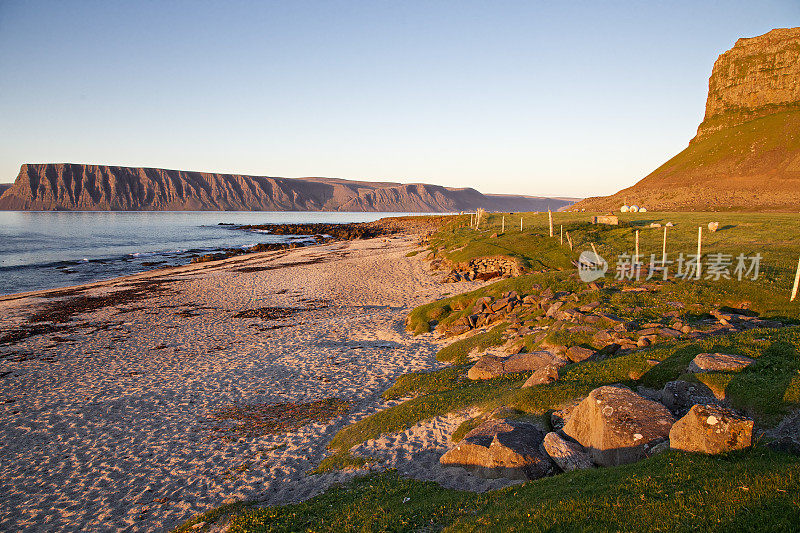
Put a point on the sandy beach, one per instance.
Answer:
(107, 404)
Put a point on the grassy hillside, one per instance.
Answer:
(753, 166)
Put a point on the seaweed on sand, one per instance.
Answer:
(253, 420)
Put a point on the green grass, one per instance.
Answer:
(775, 236)
(339, 460)
(735, 143)
(754, 490)
(458, 351)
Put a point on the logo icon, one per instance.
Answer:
(591, 266)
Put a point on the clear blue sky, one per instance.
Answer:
(558, 98)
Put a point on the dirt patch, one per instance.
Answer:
(254, 420)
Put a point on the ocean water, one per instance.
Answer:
(43, 250)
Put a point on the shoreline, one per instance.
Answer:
(292, 234)
(109, 413)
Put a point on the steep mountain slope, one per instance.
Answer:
(746, 155)
(98, 188)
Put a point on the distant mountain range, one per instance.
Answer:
(746, 155)
(77, 187)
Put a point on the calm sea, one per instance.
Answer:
(43, 250)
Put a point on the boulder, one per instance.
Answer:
(679, 396)
(533, 361)
(553, 309)
(487, 367)
(547, 374)
(560, 417)
(602, 339)
(566, 454)
(589, 307)
(502, 448)
(481, 304)
(491, 366)
(711, 429)
(576, 354)
(719, 362)
(457, 329)
(785, 437)
(713, 226)
(618, 426)
(499, 305)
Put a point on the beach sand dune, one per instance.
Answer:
(107, 408)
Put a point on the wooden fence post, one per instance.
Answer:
(699, 250)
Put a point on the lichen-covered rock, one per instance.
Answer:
(618, 426)
(559, 417)
(566, 454)
(785, 436)
(711, 429)
(543, 376)
(533, 361)
(502, 448)
(679, 396)
(487, 367)
(492, 366)
(576, 354)
(719, 362)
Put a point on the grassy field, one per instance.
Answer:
(753, 490)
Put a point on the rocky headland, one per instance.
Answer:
(78, 187)
(746, 154)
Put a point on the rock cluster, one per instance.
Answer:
(609, 333)
(485, 268)
(611, 426)
(485, 311)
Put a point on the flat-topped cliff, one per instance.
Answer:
(757, 77)
(73, 187)
(746, 154)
